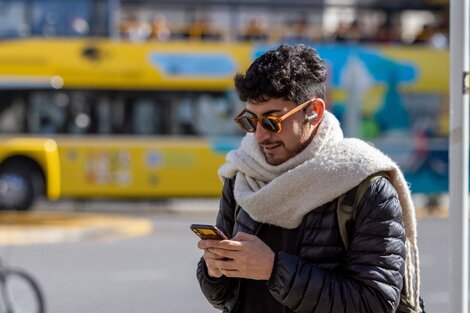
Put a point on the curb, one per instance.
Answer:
(28, 228)
(132, 207)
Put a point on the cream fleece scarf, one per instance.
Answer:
(328, 167)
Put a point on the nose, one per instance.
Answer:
(261, 134)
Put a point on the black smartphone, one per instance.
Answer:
(208, 232)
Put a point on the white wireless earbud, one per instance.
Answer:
(312, 117)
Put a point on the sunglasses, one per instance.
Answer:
(271, 123)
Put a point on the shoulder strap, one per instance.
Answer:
(236, 210)
(348, 202)
(235, 213)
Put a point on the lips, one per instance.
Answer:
(270, 147)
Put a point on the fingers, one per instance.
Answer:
(241, 236)
(229, 268)
(214, 273)
(219, 244)
(218, 266)
(211, 259)
(231, 273)
(223, 253)
(226, 265)
(233, 244)
(211, 256)
(212, 269)
(245, 256)
(206, 244)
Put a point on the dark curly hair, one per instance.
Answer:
(295, 73)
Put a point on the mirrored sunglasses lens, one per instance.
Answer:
(270, 124)
(247, 124)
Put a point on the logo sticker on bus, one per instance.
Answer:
(153, 159)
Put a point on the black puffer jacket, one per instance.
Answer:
(321, 276)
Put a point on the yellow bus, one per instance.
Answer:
(121, 126)
(92, 115)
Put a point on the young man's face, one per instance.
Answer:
(295, 135)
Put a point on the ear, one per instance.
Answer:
(316, 106)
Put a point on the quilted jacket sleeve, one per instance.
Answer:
(369, 279)
(217, 290)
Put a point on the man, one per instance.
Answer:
(279, 205)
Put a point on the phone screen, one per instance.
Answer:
(208, 232)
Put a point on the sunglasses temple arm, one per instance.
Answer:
(297, 109)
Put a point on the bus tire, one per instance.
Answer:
(16, 190)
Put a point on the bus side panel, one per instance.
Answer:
(139, 168)
(65, 63)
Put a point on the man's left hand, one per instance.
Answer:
(246, 256)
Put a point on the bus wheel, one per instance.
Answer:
(16, 191)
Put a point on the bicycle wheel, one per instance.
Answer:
(20, 291)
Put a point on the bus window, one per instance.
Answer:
(55, 18)
(127, 113)
(214, 114)
(145, 117)
(51, 18)
(12, 110)
(103, 116)
(46, 113)
(14, 19)
(79, 120)
(185, 117)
